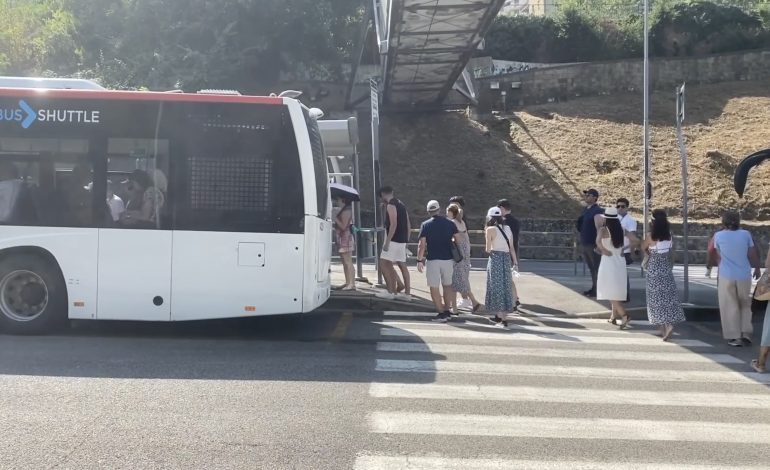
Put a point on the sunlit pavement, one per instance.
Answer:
(381, 391)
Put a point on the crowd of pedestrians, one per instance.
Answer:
(609, 244)
(731, 250)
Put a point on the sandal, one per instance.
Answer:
(613, 321)
(626, 320)
(476, 308)
(756, 367)
(669, 330)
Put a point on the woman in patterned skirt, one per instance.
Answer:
(663, 306)
(461, 274)
(760, 364)
(502, 257)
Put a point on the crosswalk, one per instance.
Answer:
(558, 394)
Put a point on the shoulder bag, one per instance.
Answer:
(507, 241)
(457, 255)
(762, 291)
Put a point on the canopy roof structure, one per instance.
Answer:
(429, 43)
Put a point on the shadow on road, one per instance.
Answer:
(281, 348)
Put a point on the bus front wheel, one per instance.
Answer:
(32, 295)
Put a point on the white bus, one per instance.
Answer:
(159, 207)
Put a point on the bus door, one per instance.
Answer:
(238, 214)
(135, 246)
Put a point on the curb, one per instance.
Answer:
(362, 303)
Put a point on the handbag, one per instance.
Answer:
(457, 255)
(762, 291)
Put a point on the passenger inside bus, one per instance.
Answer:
(145, 199)
(78, 196)
(114, 202)
(11, 187)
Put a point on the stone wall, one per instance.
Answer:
(600, 78)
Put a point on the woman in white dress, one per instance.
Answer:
(611, 280)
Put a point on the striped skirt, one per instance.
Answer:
(499, 298)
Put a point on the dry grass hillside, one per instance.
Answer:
(544, 156)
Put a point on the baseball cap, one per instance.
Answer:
(494, 212)
(592, 192)
(433, 205)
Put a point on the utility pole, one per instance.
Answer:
(646, 121)
(680, 100)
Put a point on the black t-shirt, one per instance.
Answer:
(402, 221)
(438, 232)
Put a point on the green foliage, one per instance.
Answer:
(163, 44)
(584, 30)
(700, 27)
(37, 36)
(522, 38)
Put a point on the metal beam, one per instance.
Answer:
(461, 6)
(366, 27)
(434, 50)
(491, 13)
(423, 82)
(416, 90)
(428, 62)
(436, 33)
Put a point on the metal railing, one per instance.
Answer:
(577, 257)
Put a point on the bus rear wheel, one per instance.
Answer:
(32, 295)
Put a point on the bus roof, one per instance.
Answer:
(49, 82)
(137, 96)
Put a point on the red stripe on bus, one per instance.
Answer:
(137, 96)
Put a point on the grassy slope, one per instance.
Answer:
(543, 156)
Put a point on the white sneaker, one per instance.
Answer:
(404, 297)
(465, 303)
(385, 295)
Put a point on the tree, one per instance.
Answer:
(700, 27)
(37, 38)
(248, 44)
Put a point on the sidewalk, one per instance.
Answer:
(547, 287)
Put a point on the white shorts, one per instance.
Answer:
(396, 253)
(439, 272)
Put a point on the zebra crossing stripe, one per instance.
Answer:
(564, 336)
(567, 428)
(483, 368)
(448, 348)
(408, 462)
(409, 325)
(568, 395)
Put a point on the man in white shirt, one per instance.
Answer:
(116, 203)
(629, 225)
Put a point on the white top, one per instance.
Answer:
(498, 241)
(629, 224)
(116, 207)
(662, 246)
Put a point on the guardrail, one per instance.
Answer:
(573, 246)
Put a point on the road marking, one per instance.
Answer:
(441, 348)
(567, 428)
(568, 395)
(416, 325)
(525, 315)
(566, 337)
(342, 326)
(484, 368)
(410, 462)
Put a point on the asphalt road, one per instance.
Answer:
(380, 391)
